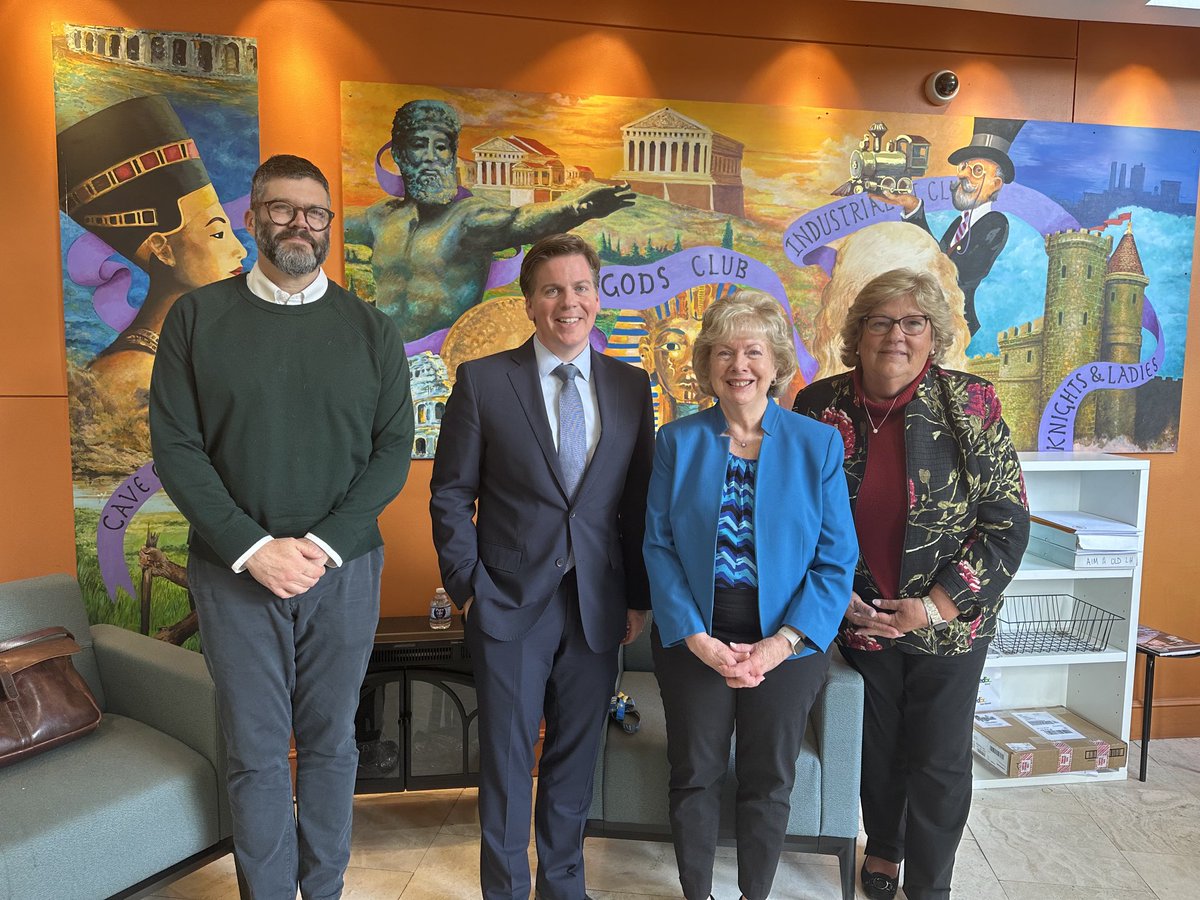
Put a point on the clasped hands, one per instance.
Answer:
(887, 618)
(287, 566)
(741, 665)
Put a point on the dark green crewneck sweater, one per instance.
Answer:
(281, 420)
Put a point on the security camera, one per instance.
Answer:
(941, 87)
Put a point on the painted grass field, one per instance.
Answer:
(169, 603)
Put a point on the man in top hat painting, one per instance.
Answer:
(131, 175)
(974, 240)
(433, 247)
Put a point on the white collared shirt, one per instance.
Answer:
(552, 386)
(264, 289)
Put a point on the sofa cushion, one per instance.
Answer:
(95, 816)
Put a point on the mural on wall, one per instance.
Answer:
(1065, 249)
(157, 140)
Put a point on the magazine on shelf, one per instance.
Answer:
(1076, 531)
(1082, 559)
(1161, 643)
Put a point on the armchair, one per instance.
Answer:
(139, 801)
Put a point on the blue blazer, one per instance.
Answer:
(804, 534)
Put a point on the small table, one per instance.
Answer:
(1152, 644)
(416, 723)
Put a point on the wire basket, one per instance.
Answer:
(1052, 623)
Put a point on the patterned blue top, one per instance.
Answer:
(735, 564)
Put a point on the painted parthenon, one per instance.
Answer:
(671, 156)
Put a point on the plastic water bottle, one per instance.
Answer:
(439, 610)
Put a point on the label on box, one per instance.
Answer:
(1019, 746)
(1049, 727)
(989, 720)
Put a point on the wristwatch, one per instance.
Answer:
(936, 622)
(795, 637)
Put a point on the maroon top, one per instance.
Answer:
(881, 511)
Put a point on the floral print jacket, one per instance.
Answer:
(968, 519)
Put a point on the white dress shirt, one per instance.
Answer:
(264, 288)
(552, 386)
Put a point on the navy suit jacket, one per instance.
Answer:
(805, 543)
(501, 519)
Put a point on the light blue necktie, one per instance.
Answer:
(572, 433)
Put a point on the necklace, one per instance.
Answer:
(739, 441)
(867, 409)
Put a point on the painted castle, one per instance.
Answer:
(1093, 311)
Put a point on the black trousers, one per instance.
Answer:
(916, 767)
(702, 713)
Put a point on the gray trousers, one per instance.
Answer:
(284, 667)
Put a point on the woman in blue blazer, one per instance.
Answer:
(750, 548)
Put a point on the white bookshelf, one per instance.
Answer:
(1096, 686)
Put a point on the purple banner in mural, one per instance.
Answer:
(120, 508)
(1056, 431)
(648, 285)
(805, 239)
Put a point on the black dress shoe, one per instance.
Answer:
(878, 886)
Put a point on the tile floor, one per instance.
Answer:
(1119, 840)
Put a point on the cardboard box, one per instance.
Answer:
(1024, 742)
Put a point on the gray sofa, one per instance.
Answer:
(629, 799)
(137, 802)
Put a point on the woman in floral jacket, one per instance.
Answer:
(939, 507)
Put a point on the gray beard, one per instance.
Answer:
(436, 188)
(963, 201)
(294, 261)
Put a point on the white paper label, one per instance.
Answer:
(1020, 746)
(1048, 726)
(989, 720)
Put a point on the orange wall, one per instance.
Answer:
(843, 54)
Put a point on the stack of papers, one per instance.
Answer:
(1080, 540)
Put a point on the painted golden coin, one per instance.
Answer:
(489, 327)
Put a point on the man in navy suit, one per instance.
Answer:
(549, 447)
(974, 239)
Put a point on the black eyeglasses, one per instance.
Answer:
(283, 213)
(910, 325)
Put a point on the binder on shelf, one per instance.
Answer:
(1080, 531)
(1082, 559)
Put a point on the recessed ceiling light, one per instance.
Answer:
(1177, 4)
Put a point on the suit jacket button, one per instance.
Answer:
(560, 562)
(572, 515)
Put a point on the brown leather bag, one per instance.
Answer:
(44, 702)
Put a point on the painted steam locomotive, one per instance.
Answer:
(874, 169)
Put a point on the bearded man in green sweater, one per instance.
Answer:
(282, 424)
